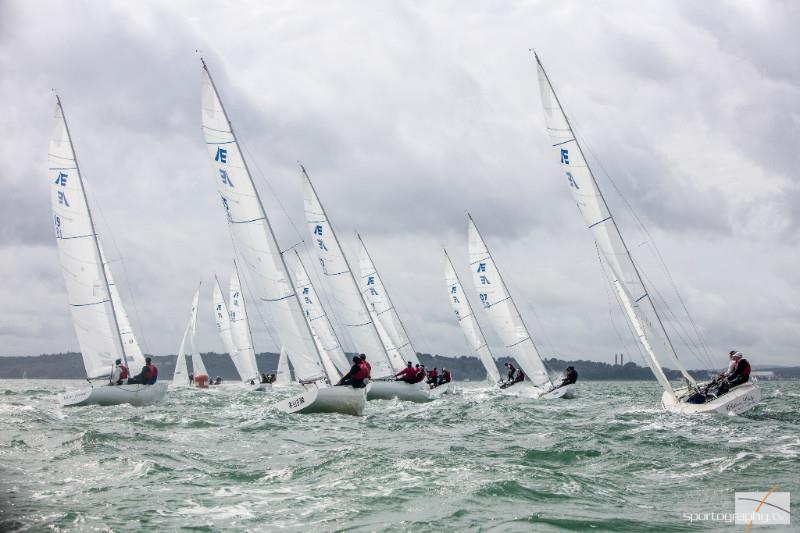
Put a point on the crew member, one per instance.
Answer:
(356, 375)
(407, 374)
(511, 371)
(741, 370)
(731, 364)
(364, 362)
(148, 375)
(191, 379)
(445, 377)
(433, 377)
(520, 376)
(570, 377)
(120, 373)
(264, 378)
(420, 374)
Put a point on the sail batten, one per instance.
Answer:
(501, 309)
(468, 321)
(599, 219)
(264, 267)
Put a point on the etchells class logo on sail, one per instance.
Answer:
(764, 508)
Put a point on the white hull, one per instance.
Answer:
(739, 400)
(527, 389)
(116, 395)
(259, 387)
(409, 392)
(345, 400)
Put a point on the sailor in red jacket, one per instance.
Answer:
(433, 377)
(120, 373)
(420, 374)
(741, 371)
(408, 374)
(364, 362)
(445, 376)
(356, 376)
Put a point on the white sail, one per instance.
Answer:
(328, 343)
(131, 346)
(377, 296)
(468, 321)
(502, 310)
(181, 374)
(260, 257)
(87, 287)
(223, 320)
(598, 218)
(349, 305)
(283, 376)
(244, 357)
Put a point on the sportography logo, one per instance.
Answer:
(769, 508)
(764, 508)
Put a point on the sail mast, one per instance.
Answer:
(285, 269)
(94, 231)
(616, 227)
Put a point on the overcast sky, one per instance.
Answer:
(407, 115)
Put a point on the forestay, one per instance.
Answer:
(349, 305)
(377, 296)
(255, 244)
(468, 321)
(327, 342)
(245, 355)
(598, 218)
(133, 351)
(79, 253)
(502, 310)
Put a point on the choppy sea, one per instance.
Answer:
(226, 460)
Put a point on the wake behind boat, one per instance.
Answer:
(100, 321)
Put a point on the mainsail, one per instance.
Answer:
(350, 307)
(324, 334)
(181, 370)
(636, 300)
(283, 376)
(469, 323)
(245, 355)
(378, 298)
(129, 343)
(223, 320)
(88, 290)
(260, 256)
(502, 310)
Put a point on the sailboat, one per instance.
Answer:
(265, 266)
(469, 322)
(89, 291)
(506, 319)
(391, 328)
(199, 372)
(244, 355)
(626, 278)
(352, 309)
(283, 376)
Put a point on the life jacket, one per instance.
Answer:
(152, 374)
(420, 376)
(123, 372)
(407, 372)
(433, 374)
(362, 373)
(369, 367)
(745, 368)
(446, 376)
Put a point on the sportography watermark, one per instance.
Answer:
(770, 508)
